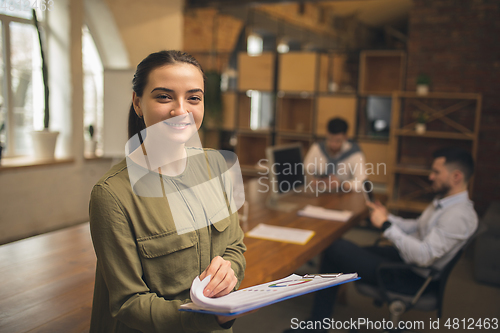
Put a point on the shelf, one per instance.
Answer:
(372, 139)
(256, 72)
(376, 158)
(408, 206)
(228, 110)
(251, 147)
(338, 93)
(264, 111)
(411, 170)
(381, 72)
(252, 170)
(439, 95)
(297, 71)
(435, 134)
(295, 94)
(452, 116)
(249, 132)
(294, 135)
(295, 114)
(305, 140)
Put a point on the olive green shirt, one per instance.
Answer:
(145, 262)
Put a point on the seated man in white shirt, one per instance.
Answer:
(430, 241)
(337, 164)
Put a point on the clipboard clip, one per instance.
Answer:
(323, 275)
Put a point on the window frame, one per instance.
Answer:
(7, 93)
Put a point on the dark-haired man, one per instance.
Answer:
(337, 162)
(430, 241)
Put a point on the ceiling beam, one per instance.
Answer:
(236, 3)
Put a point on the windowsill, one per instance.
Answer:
(9, 163)
(87, 156)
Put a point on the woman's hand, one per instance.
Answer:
(223, 278)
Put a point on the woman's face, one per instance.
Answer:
(173, 99)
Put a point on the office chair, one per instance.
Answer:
(426, 299)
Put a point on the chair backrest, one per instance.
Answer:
(445, 272)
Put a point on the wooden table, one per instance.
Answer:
(269, 260)
(47, 281)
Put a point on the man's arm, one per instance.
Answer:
(452, 228)
(379, 216)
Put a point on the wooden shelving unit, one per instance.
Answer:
(249, 158)
(336, 106)
(229, 111)
(305, 140)
(256, 72)
(297, 72)
(295, 114)
(453, 120)
(300, 85)
(381, 72)
(376, 155)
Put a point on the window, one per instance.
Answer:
(22, 95)
(261, 109)
(255, 44)
(92, 91)
(378, 114)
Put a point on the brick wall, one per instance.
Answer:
(457, 42)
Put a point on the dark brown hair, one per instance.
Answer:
(458, 158)
(140, 80)
(337, 125)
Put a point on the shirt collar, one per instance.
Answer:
(451, 200)
(346, 145)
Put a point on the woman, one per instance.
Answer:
(150, 247)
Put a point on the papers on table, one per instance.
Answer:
(325, 214)
(255, 297)
(281, 234)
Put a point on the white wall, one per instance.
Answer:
(148, 26)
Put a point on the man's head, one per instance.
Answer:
(451, 170)
(337, 134)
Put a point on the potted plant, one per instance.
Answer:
(44, 142)
(423, 82)
(213, 100)
(421, 118)
(91, 143)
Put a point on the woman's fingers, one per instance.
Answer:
(223, 278)
(226, 285)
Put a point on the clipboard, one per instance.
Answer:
(262, 295)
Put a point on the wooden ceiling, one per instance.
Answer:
(373, 13)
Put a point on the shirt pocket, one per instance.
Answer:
(221, 234)
(170, 262)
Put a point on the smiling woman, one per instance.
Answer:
(151, 245)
